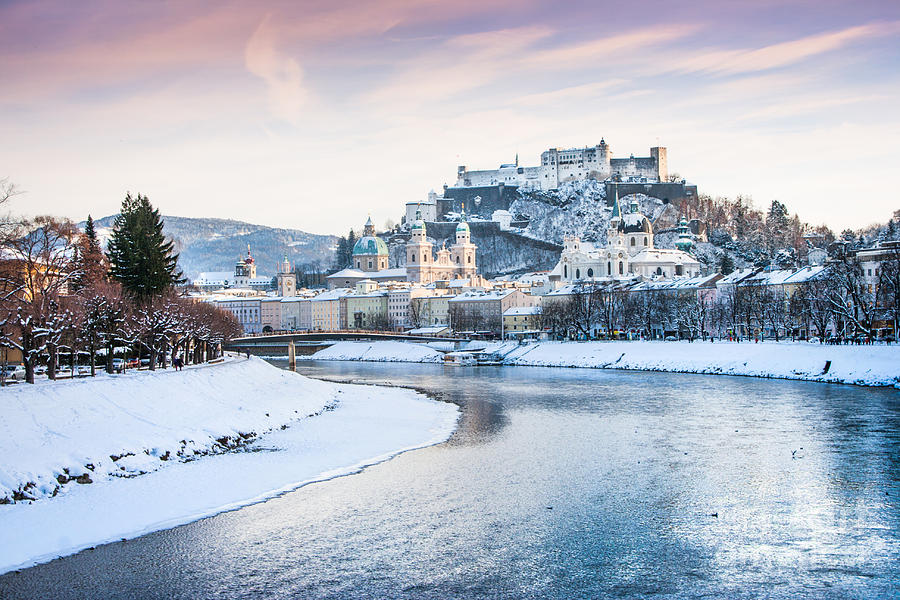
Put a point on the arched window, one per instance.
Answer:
(370, 264)
(645, 240)
(632, 241)
(457, 260)
(609, 268)
(658, 271)
(470, 260)
(577, 273)
(590, 272)
(358, 264)
(621, 268)
(413, 256)
(566, 271)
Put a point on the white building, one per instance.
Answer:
(571, 164)
(244, 277)
(248, 311)
(426, 208)
(296, 313)
(629, 253)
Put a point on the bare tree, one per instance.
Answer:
(34, 275)
(852, 299)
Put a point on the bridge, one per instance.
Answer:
(310, 342)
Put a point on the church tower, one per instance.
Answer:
(418, 253)
(462, 253)
(286, 278)
(614, 235)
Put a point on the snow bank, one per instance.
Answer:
(385, 351)
(861, 365)
(109, 429)
(120, 426)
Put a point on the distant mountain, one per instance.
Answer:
(216, 244)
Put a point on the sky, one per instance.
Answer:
(315, 114)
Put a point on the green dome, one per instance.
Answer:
(418, 224)
(369, 245)
(463, 226)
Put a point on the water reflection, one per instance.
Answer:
(559, 483)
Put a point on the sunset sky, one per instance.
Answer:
(313, 114)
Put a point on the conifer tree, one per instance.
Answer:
(140, 256)
(90, 263)
(726, 265)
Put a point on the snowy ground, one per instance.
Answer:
(861, 365)
(385, 351)
(288, 431)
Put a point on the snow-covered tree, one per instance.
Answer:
(36, 270)
(141, 258)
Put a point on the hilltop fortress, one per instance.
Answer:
(571, 164)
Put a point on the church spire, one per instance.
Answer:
(616, 213)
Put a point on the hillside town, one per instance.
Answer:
(625, 288)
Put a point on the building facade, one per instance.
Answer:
(629, 253)
(571, 164)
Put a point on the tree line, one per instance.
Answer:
(61, 296)
(837, 303)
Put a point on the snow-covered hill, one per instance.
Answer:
(215, 244)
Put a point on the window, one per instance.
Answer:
(590, 272)
(470, 260)
(658, 271)
(609, 268)
(577, 273)
(632, 241)
(566, 271)
(621, 268)
(645, 240)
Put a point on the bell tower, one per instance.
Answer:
(462, 253)
(286, 279)
(419, 265)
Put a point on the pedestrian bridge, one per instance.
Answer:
(310, 342)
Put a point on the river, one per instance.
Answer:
(559, 483)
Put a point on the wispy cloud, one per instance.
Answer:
(283, 74)
(732, 61)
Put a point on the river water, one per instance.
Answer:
(559, 483)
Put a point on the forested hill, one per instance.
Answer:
(215, 244)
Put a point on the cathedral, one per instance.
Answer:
(629, 252)
(456, 263)
(371, 257)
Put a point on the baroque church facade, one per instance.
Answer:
(456, 263)
(629, 253)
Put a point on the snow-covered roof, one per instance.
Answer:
(736, 276)
(348, 273)
(428, 330)
(522, 310)
(482, 296)
(806, 274)
(334, 294)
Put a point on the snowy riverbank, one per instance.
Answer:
(288, 430)
(861, 365)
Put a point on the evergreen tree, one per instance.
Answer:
(343, 257)
(140, 256)
(90, 263)
(351, 242)
(726, 265)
